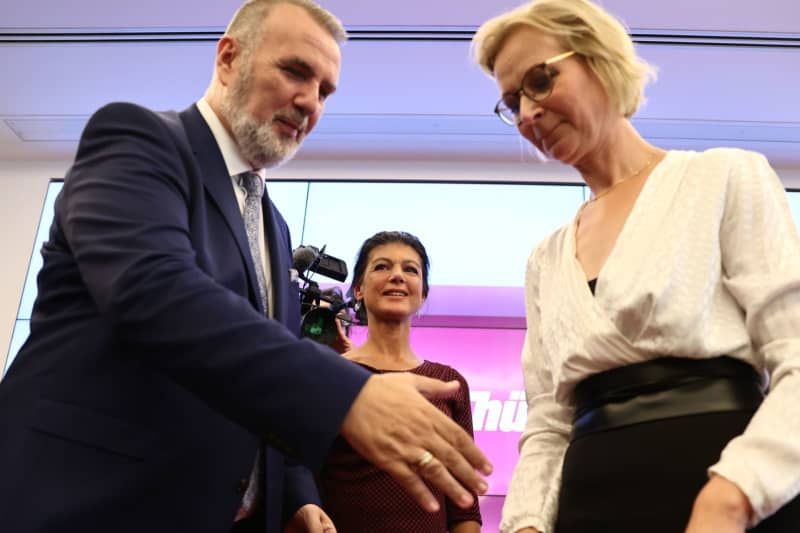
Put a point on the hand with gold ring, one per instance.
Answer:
(394, 426)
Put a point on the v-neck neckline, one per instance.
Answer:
(619, 242)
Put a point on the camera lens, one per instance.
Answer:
(319, 324)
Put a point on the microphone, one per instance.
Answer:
(302, 258)
(316, 260)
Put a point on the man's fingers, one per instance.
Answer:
(413, 484)
(451, 472)
(325, 526)
(438, 474)
(391, 425)
(459, 453)
(434, 388)
(310, 518)
(326, 522)
(454, 435)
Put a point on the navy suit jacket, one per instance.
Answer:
(151, 374)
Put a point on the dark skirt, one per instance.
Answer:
(645, 477)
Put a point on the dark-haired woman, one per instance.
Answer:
(390, 284)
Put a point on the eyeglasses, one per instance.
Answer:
(537, 84)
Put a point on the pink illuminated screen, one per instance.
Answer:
(489, 360)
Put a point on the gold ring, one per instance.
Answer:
(426, 458)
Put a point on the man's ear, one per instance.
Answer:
(228, 51)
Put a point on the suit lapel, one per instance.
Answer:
(279, 271)
(217, 182)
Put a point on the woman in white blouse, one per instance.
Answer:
(658, 317)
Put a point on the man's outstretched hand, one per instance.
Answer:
(393, 425)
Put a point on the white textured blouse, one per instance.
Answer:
(707, 263)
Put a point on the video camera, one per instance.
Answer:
(319, 320)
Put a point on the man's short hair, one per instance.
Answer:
(246, 24)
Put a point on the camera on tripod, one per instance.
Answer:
(320, 308)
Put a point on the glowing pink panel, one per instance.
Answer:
(489, 360)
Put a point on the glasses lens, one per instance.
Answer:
(505, 110)
(508, 108)
(537, 83)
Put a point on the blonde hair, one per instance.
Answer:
(583, 27)
(246, 24)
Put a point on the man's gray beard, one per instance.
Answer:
(257, 141)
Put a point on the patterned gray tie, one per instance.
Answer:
(254, 185)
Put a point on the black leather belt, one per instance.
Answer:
(666, 387)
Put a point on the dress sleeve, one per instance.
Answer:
(760, 251)
(532, 498)
(462, 415)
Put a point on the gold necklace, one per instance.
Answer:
(623, 180)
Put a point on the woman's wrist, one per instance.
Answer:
(722, 496)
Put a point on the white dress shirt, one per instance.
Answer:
(236, 164)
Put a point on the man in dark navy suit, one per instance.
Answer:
(163, 388)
